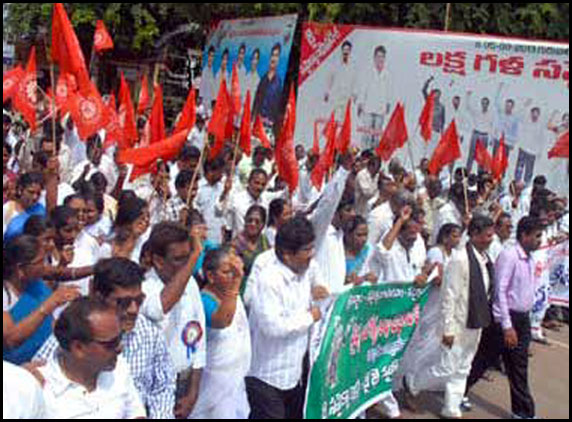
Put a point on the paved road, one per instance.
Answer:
(550, 378)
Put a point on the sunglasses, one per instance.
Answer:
(110, 344)
(125, 303)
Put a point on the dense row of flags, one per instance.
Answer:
(231, 121)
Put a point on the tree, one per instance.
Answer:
(136, 26)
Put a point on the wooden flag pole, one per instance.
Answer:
(53, 99)
(448, 16)
(198, 169)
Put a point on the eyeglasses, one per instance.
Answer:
(110, 344)
(125, 303)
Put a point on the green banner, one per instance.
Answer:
(358, 347)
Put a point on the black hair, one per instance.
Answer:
(74, 325)
(479, 224)
(213, 259)
(194, 218)
(116, 272)
(6, 119)
(68, 200)
(28, 179)
(97, 199)
(164, 235)
(275, 47)
(540, 181)
(257, 209)
(346, 202)
(293, 236)
(214, 165)
(99, 181)
(225, 52)
(129, 210)
(184, 179)
(256, 51)
(351, 226)
(275, 211)
(242, 47)
(380, 49)
(189, 152)
(257, 172)
(37, 225)
(502, 217)
(347, 44)
(8, 147)
(527, 226)
(212, 50)
(446, 231)
(61, 215)
(20, 250)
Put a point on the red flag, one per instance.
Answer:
(11, 82)
(324, 164)
(218, 123)
(500, 161)
(102, 40)
(331, 129)
(144, 98)
(126, 116)
(246, 128)
(113, 131)
(189, 115)
(562, 147)
(345, 139)
(65, 90)
(66, 50)
(166, 150)
(426, 118)
(286, 162)
(235, 91)
(259, 132)
(483, 157)
(88, 112)
(26, 97)
(447, 151)
(157, 120)
(395, 134)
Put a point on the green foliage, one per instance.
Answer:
(136, 26)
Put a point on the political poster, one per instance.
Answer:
(356, 349)
(491, 86)
(260, 49)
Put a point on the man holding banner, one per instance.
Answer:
(467, 289)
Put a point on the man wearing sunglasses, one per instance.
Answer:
(117, 282)
(86, 378)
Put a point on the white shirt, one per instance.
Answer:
(376, 92)
(447, 214)
(483, 121)
(497, 246)
(206, 200)
(196, 137)
(341, 84)
(22, 396)
(398, 266)
(115, 396)
(64, 190)
(380, 222)
(184, 326)
(330, 252)
(86, 253)
(208, 88)
(107, 167)
(533, 137)
(238, 204)
(306, 194)
(366, 188)
(455, 291)
(280, 322)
